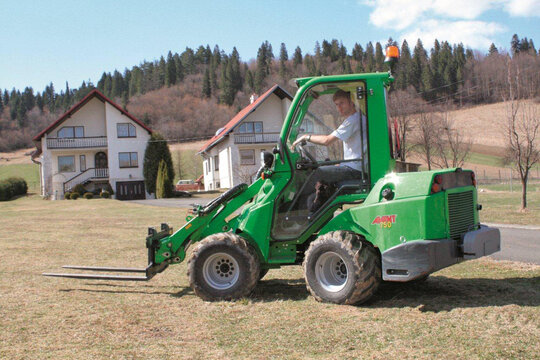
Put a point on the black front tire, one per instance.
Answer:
(223, 267)
(342, 268)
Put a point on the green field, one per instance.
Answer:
(29, 172)
(482, 309)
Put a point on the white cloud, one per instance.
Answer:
(462, 9)
(523, 7)
(400, 14)
(476, 34)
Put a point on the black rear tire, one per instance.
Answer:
(342, 268)
(223, 267)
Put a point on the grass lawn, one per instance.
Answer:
(503, 207)
(480, 309)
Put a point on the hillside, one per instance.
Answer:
(484, 124)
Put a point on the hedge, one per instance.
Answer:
(12, 187)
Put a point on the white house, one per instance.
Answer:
(94, 143)
(232, 156)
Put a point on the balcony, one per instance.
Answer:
(77, 143)
(256, 138)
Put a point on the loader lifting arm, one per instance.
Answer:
(166, 247)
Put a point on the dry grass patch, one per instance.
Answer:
(477, 309)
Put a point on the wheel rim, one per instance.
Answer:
(331, 272)
(220, 271)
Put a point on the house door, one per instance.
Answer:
(130, 190)
(100, 160)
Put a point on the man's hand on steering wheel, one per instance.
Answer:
(299, 143)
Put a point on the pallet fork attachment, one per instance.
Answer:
(152, 243)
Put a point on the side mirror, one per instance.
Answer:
(267, 159)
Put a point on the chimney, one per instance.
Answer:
(252, 98)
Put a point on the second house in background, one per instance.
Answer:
(232, 156)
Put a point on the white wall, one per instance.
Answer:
(91, 116)
(117, 145)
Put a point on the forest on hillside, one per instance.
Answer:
(190, 95)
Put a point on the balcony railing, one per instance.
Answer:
(256, 138)
(82, 142)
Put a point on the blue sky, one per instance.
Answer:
(59, 41)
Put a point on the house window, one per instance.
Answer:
(82, 162)
(71, 132)
(247, 157)
(216, 162)
(128, 160)
(66, 164)
(251, 127)
(126, 130)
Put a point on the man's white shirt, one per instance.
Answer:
(349, 133)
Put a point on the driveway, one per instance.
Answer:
(175, 202)
(519, 243)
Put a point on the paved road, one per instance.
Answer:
(521, 243)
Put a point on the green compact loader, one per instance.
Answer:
(349, 234)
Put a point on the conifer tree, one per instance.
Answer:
(170, 75)
(156, 150)
(249, 81)
(417, 64)
(207, 87)
(6, 97)
(2, 106)
(532, 49)
(188, 61)
(163, 181)
(283, 58)
(348, 69)
(403, 72)
(162, 72)
(39, 102)
(379, 57)
(493, 50)
(28, 98)
(179, 69)
(234, 72)
(358, 52)
(67, 97)
(297, 58)
(370, 58)
(515, 45)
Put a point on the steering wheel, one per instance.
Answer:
(304, 153)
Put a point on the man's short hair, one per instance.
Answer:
(341, 94)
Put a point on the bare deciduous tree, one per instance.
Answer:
(522, 130)
(428, 135)
(403, 104)
(453, 147)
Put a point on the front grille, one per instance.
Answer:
(461, 213)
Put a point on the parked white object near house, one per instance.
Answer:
(94, 143)
(232, 156)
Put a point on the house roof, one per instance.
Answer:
(276, 89)
(94, 93)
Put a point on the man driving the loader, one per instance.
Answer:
(327, 179)
(349, 132)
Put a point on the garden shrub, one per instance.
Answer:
(79, 188)
(12, 187)
(74, 195)
(67, 195)
(88, 195)
(105, 194)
